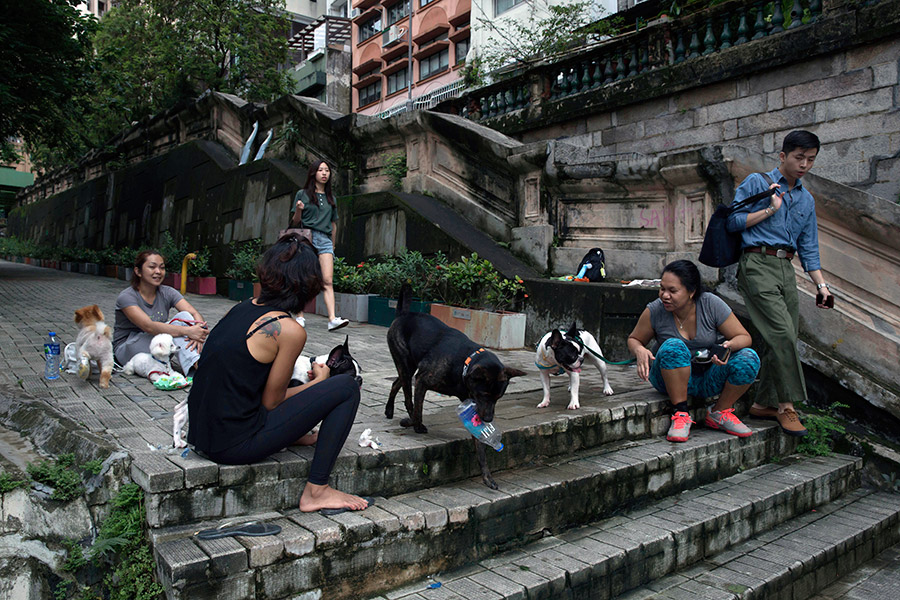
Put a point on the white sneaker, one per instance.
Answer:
(302, 321)
(337, 323)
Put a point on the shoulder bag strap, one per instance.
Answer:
(755, 197)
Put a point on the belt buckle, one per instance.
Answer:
(781, 253)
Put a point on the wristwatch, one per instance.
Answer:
(819, 286)
(770, 210)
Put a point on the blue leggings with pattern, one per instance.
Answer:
(741, 369)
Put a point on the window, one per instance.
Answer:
(501, 6)
(397, 81)
(397, 12)
(437, 38)
(425, 2)
(433, 64)
(462, 48)
(370, 28)
(370, 93)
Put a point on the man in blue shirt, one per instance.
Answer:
(772, 231)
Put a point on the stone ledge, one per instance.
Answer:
(412, 534)
(667, 539)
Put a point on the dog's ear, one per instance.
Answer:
(511, 372)
(79, 315)
(556, 339)
(346, 344)
(573, 330)
(336, 354)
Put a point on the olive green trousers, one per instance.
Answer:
(769, 288)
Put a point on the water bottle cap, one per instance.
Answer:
(52, 333)
(501, 447)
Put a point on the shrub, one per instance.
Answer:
(200, 267)
(244, 257)
(172, 252)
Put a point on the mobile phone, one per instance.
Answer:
(721, 352)
(829, 302)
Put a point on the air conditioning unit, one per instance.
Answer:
(355, 12)
(392, 35)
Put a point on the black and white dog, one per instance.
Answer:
(563, 352)
(338, 360)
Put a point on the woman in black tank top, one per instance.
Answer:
(241, 409)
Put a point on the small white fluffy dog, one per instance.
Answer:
(94, 343)
(157, 362)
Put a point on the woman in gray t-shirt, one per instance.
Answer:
(682, 321)
(142, 311)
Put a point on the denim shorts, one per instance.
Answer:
(322, 243)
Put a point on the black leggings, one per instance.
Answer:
(333, 402)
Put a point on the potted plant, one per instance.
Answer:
(242, 271)
(173, 253)
(388, 275)
(351, 290)
(200, 280)
(476, 300)
(124, 260)
(108, 260)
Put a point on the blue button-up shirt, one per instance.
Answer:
(794, 224)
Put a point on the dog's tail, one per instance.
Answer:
(404, 301)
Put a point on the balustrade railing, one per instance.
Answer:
(662, 43)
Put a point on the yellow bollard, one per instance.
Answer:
(184, 275)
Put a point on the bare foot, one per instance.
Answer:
(307, 440)
(315, 497)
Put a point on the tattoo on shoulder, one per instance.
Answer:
(271, 329)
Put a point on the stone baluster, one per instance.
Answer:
(501, 103)
(492, 107)
(608, 69)
(510, 100)
(620, 66)
(596, 74)
(520, 97)
(632, 62)
(679, 48)
(709, 40)
(464, 111)
(796, 15)
(526, 95)
(556, 87)
(645, 56)
(568, 84)
(726, 33)
(586, 75)
(743, 30)
(777, 18)
(815, 9)
(695, 45)
(760, 26)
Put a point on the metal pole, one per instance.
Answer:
(409, 65)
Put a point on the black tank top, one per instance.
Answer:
(225, 403)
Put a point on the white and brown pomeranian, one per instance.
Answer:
(94, 343)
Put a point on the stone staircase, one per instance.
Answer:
(593, 504)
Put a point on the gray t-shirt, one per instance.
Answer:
(166, 299)
(711, 313)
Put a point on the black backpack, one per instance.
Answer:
(721, 247)
(593, 266)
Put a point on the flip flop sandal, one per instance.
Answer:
(250, 529)
(329, 512)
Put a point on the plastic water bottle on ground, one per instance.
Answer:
(485, 433)
(51, 355)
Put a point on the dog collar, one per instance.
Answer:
(162, 362)
(469, 360)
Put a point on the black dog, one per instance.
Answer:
(446, 361)
(338, 360)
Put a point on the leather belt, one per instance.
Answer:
(779, 252)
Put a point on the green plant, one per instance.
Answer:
(349, 279)
(125, 257)
(288, 139)
(59, 475)
(107, 256)
(395, 169)
(822, 430)
(172, 252)
(474, 283)
(9, 483)
(200, 267)
(74, 556)
(93, 466)
(244, 257)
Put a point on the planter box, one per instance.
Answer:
(172, 280)
(90, 268)
(110, 270)
(502, 331)
(352, 306)
(382, 310)
(239, 290)
(202, 285)
(124, 273)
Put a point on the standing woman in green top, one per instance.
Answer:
(315, 204)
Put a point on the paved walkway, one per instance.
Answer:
(35, 300)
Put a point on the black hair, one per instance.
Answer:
(689, 274)
(800, 139)
(310, 186)
(289, 274)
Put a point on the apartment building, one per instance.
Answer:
(386, 56)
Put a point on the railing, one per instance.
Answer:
(663, 43)
(426, 101)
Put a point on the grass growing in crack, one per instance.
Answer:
(9, 483)
(64, 480)
(823, 428)
(395, 169)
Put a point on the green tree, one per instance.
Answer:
(547, 30)
(44, 48)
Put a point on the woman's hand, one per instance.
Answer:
(196, 336)
(318, 372)
(643, 357)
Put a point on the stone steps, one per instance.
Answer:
(411, 535)
(191, 489)
(772, 532)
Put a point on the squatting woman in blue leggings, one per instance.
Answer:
(684, 321)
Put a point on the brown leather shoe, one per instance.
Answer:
(790, 423)
(767, 412)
